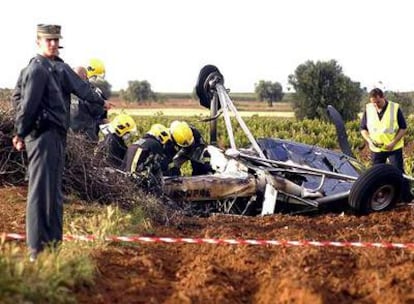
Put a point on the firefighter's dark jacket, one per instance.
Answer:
(196, 154)
(73, 84)
(147, 145)
(187, 153)
(85, 116)
(112, 150)
(45, 101)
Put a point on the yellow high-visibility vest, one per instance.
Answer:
(383, 131)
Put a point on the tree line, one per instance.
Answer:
(315, 86)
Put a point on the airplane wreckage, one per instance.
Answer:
(274, 175)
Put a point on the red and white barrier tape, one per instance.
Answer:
(304, 243)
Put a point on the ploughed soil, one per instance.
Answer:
(207, 273)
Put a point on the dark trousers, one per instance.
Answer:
(395, 158)
(44, 212)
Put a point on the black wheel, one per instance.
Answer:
(377, 189)
(203, 87)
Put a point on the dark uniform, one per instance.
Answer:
(72, 84)
(146, 159)
(102, 118)
(84, 117)
(144, 154)
(41, 99)
(196, 154)
(112, 150)
(17, 94)
(41, 122)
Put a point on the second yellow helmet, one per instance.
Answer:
(160, 132)
(181, 133)
(95, 67)
(123, 124)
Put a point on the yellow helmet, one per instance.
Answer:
(123, 124)
(95, 67)
(181, 133)
(160, 132)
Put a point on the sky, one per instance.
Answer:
(167, 42)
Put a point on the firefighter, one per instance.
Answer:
(85, 117)
(190, 146)
(113, 147)
(147, 158)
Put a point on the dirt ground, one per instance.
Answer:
(189, 273)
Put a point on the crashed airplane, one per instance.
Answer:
(274, 175)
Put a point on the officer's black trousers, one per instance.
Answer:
(44, 213)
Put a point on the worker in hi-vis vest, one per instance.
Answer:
(383, 126)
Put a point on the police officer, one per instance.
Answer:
(42, 120)
(191, 146)
(147, 158)
(70, 83)
(113, 147)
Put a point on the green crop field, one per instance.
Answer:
(312, 132)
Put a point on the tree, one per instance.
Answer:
(405, 100)
(138, 91)
(320, 84)
(268, 91)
